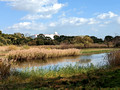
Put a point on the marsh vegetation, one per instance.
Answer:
(73, 76)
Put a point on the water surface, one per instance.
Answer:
(85, 60)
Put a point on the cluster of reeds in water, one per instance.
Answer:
(37, 53)
(4, 68)
(114, 58)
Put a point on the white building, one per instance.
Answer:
(46, 35)
(51, 35)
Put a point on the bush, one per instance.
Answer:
(26, 47)
(1, 44)
(12, 47)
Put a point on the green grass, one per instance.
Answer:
(98, 50)
(29, 75)
(52, 73)
(88, 78)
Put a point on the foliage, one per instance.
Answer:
(96, 40)
(12, 47)
(116, 41)
(20, 39)
(108, 39)
(25, 47)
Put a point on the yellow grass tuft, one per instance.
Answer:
(12, 47)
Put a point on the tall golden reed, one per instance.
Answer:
(4, 68)
(37, 53)
(114, 58)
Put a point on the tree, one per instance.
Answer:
(108, 40)
(40, 42)
(96, 40)
(0, 32)
(41, 36)
(20, 35)
(87, 41)
(3, 40)
(78, 40)
(116, 41)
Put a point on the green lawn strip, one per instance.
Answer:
(95, 51)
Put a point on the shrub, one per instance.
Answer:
(26, 47)
(1, 44)
(12, 47)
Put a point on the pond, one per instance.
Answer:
(84, 60)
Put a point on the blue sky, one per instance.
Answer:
(67, 17)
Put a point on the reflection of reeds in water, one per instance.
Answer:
(37, 63)
(36, 53)
(83, 61)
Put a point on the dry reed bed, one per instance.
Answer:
(4, 68)
(77, 46)
(36, 53)
(3, 48)
(114, 58)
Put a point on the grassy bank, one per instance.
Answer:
(97, 50)
(67, 77)
(41, 76)
(57, 79)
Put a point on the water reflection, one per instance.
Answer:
(95, 59)
(83, 61)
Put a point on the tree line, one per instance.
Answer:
(20, 39)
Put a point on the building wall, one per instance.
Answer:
(46, 35)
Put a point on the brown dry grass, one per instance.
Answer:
(114, 58)
(37, 53)
(78, 46)
(8, 48)
(3, 48)
(4, 68)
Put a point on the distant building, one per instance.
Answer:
(51, 35)
(34, 36)
(46, 35)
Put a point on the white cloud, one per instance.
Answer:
(52, 24)
(73, 21)
(35, 17)
(40, 7)
(118, 20)
(107, 15)
(93, 23)
(78, 21)
(22, 26)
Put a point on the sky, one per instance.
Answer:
(67, 17)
